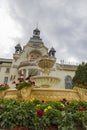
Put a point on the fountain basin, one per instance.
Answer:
(45, 81)
(46, 63)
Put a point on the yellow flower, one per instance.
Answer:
(62, 105)
(49, 107)
(45, 109)
(38, 105)
(32, 99)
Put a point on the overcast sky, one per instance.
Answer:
(63, 25)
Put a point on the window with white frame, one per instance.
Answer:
(68, 82)
(7, 70)
(5, 80)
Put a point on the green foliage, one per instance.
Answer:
(23, 84)
(37, 115)
(84, 118)
(4, 87)
(67, 122)
(53, 117)
(81, 75)
(74, 105)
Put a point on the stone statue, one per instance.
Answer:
(18, 48)
(52, 52)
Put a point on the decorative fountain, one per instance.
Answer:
(45, 80)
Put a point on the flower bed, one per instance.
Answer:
(39, 115)
(23, 83)
(4, 87)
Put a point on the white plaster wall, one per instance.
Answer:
(61, 75)
(13, 72)
(3, 72)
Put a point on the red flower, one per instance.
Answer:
(42, 101)
(81, 109)
(67, 103)
(85, 85)
(13, 82)
(2, 85)
(64, 99)
(21, 79)
(16, 85)
(33, 83)
(39, 113)
(21, 74)
(27, 78)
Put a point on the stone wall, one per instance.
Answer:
(45, 94)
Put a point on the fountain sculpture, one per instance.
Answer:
(45, 80)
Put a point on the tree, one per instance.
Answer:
(81, 75)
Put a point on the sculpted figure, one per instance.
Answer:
(18, 48)
(52, 52)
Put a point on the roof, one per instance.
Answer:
(3, 60)
(67, 67)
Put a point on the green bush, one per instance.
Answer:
(37, 115)
(80, 77)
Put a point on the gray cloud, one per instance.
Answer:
(63, 24)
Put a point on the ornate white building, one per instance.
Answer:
(26, 63)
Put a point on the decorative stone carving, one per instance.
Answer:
(53, 94)
(46, 94)
(2, 93)
(25, 92)
(45, 81)
(46, 63)
(82, 93)
(12, 93)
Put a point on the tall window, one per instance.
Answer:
(68, 82)
(7, 70)
(5, 80)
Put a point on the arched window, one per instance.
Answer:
(68, 82)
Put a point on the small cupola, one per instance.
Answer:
(36, 32)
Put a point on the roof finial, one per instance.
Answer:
(36, 32)
(37, 25)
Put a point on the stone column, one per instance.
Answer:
(27, 73)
